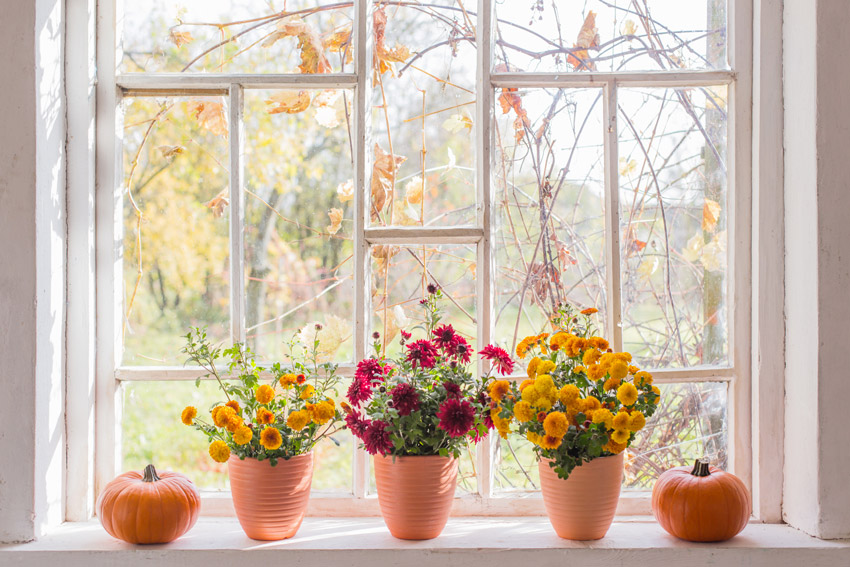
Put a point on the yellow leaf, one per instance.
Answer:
(340, 40)
(383, 56)
(627, 167)
(170, 151)
(403, 215)
(210, 115)
(218, 203)
(710, 215)
(345, 191)
(628, 28)
(290, 102)
(396, 320)
(413, 190)
(334, 331)
(588, 38)
(180, 38)
(336, 220)
(457, 122)
(383, 178)
(313, 59)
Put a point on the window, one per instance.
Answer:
(282, 164)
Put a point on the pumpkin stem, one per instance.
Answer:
(701, 467)
(150, 474)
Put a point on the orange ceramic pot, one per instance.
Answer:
(582, 507)
(415, 494)
(270, 501)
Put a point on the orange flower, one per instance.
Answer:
(300, 378)
(188, 415)
(550, 442)
(288, 380)
(264, 416)
(498, 389)
(235, 405)
(264, 394)
(589, 311)
(541, 416)
(271, 438)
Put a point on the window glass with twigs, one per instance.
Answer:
(287, 163)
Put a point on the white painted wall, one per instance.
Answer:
(817, 277)
(32, 273)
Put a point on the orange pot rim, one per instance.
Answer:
(280, 460)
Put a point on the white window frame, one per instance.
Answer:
(109, 227)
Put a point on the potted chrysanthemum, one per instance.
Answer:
(580, 407)
(415, 414)
(266, 429)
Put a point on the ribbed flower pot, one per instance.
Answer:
(415, 494)
(582, 507)
(270, 501)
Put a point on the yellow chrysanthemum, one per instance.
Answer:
(568, 393)
(546, 367)
(288, 380)
(307, 392)
(503, 425)
(533, 437)
(271, 438)
(219, 451)
(525, 384)
(620, 421)
(596, 372)
(234, 422)
(523, 346)
(550, 442)
(604, 415)
(591, 356)
(322, 412)
(243, 435)
(264, 394)
(627, 394)
(298, 420)
(556, 424)
(591, 404)
(530, 394)
(264, 416)
(656, 391)
(559, 340)
(643, 377)
(598, 343)
(575, 346)
(498, 389)
(633, 369)
(619, 369)
(523, 412)
(623, 356)
(235, 405)
(637, 421)
(543, 403)
(615, 448)
(532, 367)
(544, 383)
(188, 415)
(579, 369)
(221, 414)
(621, 436)
(611, 384)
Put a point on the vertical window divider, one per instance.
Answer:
(612, 216)
(363, 45)
(237, 166)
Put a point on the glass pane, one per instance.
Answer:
(299, 212)
(222, 36)
(690, 423)
(422, 119)
(153, 433)
(176, 246)
(549, 203)
(673, 201)
(610, 35)
(399, 277)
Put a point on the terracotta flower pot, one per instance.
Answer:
(270, 502)
(416, 494)
(582, 507)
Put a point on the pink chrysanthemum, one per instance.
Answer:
(456, 417)
(376, 438)
(422, 354)
(356, 425)
(369, 372)
(499, 357)
(452, 389)
(461, 350)
(445, 337)
(405, 398)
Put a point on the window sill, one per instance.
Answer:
(356, 542)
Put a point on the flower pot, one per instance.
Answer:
(582, 507)
(415, 494)
(270, 501)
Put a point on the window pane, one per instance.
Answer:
(399, 277)
(549, 208)
(298, 220)
(610, 35)
(422, 120)
(175, 246)
(673, 207)
(690, 423)
(222, 36)
(153, 433)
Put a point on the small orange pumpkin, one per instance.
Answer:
(149, 508)
(701, 504)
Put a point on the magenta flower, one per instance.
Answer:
(405, 398)
(376, 438)
(422, 354)
(456, 417)
(500, 359)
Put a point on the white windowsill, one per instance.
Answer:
(365, 542)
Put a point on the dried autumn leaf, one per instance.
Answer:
(510, 99)
(627, 167)
(628, 28)
(457, 122)
(334, 331)
(403, 215)
(383, 178)
(336, 220)
(290, 102)
(396, 320)
(588, 38)
(180, 38)
(714, 253)
(171, 151)
(210, 116)
(383, 57)
(710, 215)
(219, 203)
(345, 191)
(340, 40)
(413, 190)
(313, 59)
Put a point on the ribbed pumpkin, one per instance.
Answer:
(149, 507)
(702, 503)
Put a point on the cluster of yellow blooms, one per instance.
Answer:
(229, 417)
